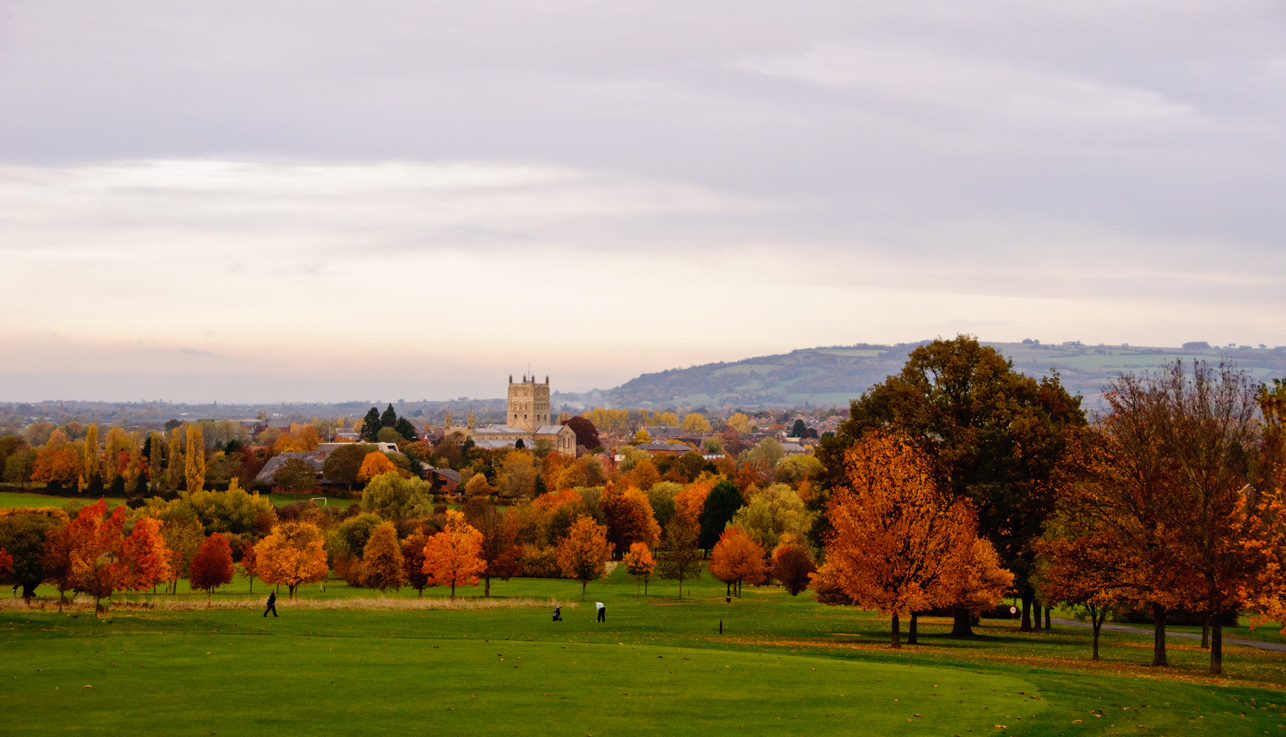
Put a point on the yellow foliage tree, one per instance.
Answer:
(739, 422)
(194, 469)
(695, 424)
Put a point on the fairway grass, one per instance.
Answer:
(658, 666)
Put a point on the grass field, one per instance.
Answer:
(783, 666)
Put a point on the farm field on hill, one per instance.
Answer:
(657, 666)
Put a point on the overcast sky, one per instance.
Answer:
(256, 201)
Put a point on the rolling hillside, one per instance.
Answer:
(832, 376)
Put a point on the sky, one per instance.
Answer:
(323, 201)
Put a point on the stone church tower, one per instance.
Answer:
(528, 404)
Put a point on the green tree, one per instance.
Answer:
(406, 430)
(678, 557)
(393, 497)
(343, 463)
(295, 476)
(389, 418)
(720, 506)
(997, 438)
(23, 535)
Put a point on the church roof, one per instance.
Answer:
(549, 429)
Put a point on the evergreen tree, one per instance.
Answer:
(389, 418)
(722, 503)
(371, 425)
(406, 429)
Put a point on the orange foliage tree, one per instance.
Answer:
(792, 565)
(736, 557)
(583, 554)
(60, 466)
(145, 556)
(630, 518)
(374, 464)
(640, 564)
(212, 565)
(85, 553)
(1083, 568)
(895, 539)
(292, 554)
(413, 561)
(453, 557)
(689, 502)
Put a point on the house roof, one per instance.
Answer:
(315, 461)
(663, 447)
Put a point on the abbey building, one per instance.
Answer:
(526, 419)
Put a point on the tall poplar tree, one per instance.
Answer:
(174, 469)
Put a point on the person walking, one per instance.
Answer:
(602, 611)
(272, 604)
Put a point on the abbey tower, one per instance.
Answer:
(528, 404)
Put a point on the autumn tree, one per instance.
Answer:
(583, 554)
(374, 464)
(174, 461)
(57, 465)
(194, 455)
(517, 476)
(183, 537)
(1084, 567)
(678, 557)
(895, 538)
(640, 564)
(86, 552)
(453, 557)
(695, 424)
(996, 438)
(500, 551)
(382, 561)
(629, 518)
(736, 558)
(144, 556)
(91, 454)
(772, 512)
(212, 565)
(413, 561)
(1230, 525)
(292, 554)
(792, 565)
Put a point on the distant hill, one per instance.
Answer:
(823, 377)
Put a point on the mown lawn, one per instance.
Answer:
(783, 666)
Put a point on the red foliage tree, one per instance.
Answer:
(212, 565)
(145, 556)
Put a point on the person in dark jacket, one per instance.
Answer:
(602, 611)
(558, 614)
(272, 604)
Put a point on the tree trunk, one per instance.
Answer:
(645, 588)
(28, 591)
(1098, 626)
(582, 596)
(292, 591)
(1205, 632)
(963, 626)
(1158, 636)
(486, 586)
(1049, 619)
(913, 629)
(1216, 648)
(582, 589)
(896, 645)
(1026, 623)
